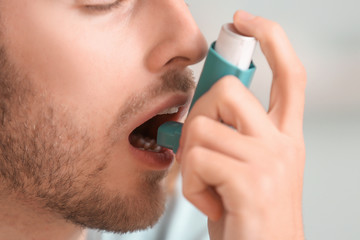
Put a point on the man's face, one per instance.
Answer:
(77, 77)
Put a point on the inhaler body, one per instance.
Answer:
(231, 54)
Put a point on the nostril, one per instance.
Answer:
(176, 60)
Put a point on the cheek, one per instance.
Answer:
(83, 64)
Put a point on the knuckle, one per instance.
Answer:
(264, 182)
(279, 168)
(268, 27)
(290, 150)
(195, 155)
(228, 90)
(226, 83)
(230, 82)
(193, 159)
(197, 126)
(267, 186)
(296, 74)
(274, 28)
(297, 70)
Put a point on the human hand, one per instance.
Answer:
(248, 180)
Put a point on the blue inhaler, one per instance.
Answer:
(231, 54)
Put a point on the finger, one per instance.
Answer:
(205, 176)
(230, 101)
(288, 89)
(208, 133)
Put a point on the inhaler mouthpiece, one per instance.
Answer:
(231, 54)
(235, 48)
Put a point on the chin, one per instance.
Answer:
(120, 212)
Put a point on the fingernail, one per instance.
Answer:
(245, 15)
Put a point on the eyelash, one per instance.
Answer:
(104, 7)
(108, 7)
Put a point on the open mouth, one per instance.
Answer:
(144, 136)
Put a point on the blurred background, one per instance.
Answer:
(326, 36)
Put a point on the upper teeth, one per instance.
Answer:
(169, 111)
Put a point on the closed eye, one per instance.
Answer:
(103, 7)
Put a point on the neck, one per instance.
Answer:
(20, 220)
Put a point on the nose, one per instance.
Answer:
(178, 41)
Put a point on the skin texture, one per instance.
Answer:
(255, 172)
(77, 79)
(71, 94)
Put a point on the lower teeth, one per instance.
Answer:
(144, 143)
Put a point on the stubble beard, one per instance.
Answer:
(47, 160)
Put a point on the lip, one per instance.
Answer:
(152, 160)
(181, 100)
(164, 159)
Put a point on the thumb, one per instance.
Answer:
(272, 38)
